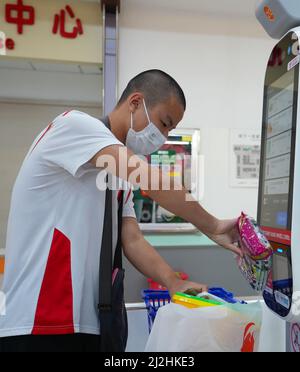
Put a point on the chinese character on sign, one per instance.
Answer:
(60, 24)
(20, 15)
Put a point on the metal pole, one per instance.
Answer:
(110, 56)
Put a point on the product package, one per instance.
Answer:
(193, 302)
(257, 261)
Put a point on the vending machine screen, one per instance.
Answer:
(277, 153)
(277, 169)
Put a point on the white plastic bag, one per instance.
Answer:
(230, 328)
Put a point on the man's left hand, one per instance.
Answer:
(182, 286)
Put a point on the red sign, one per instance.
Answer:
(23, 15)
(10, 44)
(60, 24)
(277, 235)
(20, 15)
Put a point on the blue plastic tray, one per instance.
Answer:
(225, 295)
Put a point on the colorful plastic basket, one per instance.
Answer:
(154, 300)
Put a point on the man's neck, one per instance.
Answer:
(118, 127)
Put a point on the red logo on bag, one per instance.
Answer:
(249, 340)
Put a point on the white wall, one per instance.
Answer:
(220, 62)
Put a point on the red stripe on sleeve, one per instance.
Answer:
(42, 136)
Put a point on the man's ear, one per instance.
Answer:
(135, 102)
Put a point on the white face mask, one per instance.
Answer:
(146, 141)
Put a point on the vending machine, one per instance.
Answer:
(279, 190)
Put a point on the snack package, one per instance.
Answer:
(257, 261)
(254, 242)
(255, 272)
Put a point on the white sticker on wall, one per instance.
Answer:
(244, 158)
(2, 44)
(293, 63)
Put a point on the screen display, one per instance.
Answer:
(282, 269)
(278, 152)
(277, 168)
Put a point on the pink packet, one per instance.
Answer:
(254, 242)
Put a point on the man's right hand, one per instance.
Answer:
(227, 236)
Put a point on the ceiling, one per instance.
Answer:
(245, 8)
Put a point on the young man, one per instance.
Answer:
(57, 211)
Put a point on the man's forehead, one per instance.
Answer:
(174, 110)
(172, 105)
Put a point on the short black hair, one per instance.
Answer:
(156, 86)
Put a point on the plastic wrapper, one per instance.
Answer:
(228, 328)
(254, 242)
(255, 272)
(257, 261)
